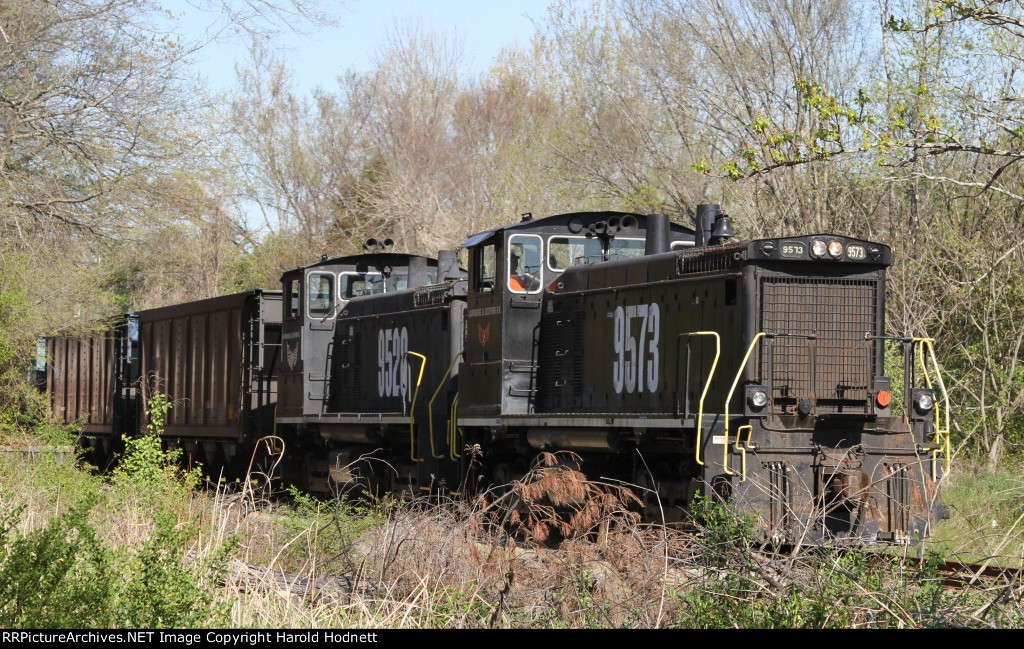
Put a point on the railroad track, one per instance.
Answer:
(957, 574)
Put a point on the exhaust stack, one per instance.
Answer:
(707, 213)
(658, 238)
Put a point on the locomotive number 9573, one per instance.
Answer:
(636, 354)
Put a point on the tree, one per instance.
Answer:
(102, 151)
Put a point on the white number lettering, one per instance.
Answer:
(381, 360)
(618, 346)
(635, 364)
(392, 365)
(654, 327)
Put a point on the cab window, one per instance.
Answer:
(356, 284)
(572, 251)
(398, 282)
(626, 248)
(292, 298)
(523, 262)
(321, 294)
(484, 267)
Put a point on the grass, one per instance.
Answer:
(226, 557)
(986, 515)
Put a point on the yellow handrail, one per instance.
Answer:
(412, 409)
(707, 384)
(453, 429)
(735, 382)
(742, 450)
(430, 407)
(942, 434)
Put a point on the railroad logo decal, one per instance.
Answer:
(292, 354)
(636, 334)
(483, 333)
(392, 365)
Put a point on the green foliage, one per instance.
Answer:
(62, 576)
(987, 509)
(145, 464)
(725, 534)
(332, 526)
(847, 588)
(164, 591)
(56, 577)
(453, 608)
(15, 351)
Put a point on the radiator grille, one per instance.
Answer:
(708, 259)
(432, 295)
(827, 358)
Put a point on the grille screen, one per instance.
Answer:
(834, 368)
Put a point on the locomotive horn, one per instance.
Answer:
(371, 245)
(599, 227)
(614, 223)
(627, 223)
(387, 245)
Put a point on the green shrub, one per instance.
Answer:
(60, 576)
(163, 591)
(146, 467)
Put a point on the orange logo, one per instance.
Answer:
(483, 333)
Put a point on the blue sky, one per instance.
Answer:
(318, 58)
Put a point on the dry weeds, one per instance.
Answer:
(548, 551)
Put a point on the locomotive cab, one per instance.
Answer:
(313, 297)
(509, 269)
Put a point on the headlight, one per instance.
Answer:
(757, 398)
(818, 248)
(923, 400)
(835, 248)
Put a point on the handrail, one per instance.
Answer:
(412, 409)
(707, 384)
(942, 432)
(743, 450)
(430, 408)
(735, 382)
(453, 430)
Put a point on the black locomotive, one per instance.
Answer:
(678, 360)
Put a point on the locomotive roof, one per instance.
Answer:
(377, 259)
(573, 222)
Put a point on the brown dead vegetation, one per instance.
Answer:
(555, 501)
